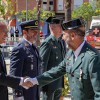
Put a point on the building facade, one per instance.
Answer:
(50, 5)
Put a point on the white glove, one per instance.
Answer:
(21, 83)
(18, 98)
(32, 80)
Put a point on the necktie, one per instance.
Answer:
(73, 58)
(35, 50)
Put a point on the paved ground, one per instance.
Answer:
(10, 90)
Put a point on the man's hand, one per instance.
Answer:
(32, 80)
(27, 84)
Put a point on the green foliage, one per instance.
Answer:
(46, 14)
(65, 90)
(32, 14)
(98, 4)
(97, 12)
(85, 10)
(4, 8)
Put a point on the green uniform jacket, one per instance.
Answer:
(83, 75)
(52, 53)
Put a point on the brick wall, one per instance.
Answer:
(85, 0)
(21, 4)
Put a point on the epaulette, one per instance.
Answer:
(50, 41)
(90, 52)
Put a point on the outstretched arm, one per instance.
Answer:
(13, 81)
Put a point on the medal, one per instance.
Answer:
(54, 47)
(80, 78)
(56, 57)
(31, 67)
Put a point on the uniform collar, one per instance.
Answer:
(28, 41)
(54, 38)
(78, 50)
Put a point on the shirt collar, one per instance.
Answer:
(77, 51)
(28, 41)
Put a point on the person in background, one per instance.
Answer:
(52, 52)
(7, 80)
(82, 65)
(25, 60)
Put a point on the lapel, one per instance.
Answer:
(80, 58)
(63, 48)
(29, 48)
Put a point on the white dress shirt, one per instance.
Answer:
(78, 50)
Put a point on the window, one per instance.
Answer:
(44, 2)
(60, 5)
(51, 3)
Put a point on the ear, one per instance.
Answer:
(73, 35)
(24, 32)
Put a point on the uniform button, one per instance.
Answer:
(72, 98)
(72, 89)
(72, 74)
(72, 81)
(56, 57)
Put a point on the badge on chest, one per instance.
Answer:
(32, 66)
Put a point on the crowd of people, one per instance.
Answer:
(63, 52)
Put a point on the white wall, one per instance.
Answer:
(77, 3)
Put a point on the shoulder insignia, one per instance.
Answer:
(50, 41)
(54, 47)
(26, 44)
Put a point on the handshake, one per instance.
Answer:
(29, 82)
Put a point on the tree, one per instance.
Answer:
(85, 10)
(6, 9)
(97, 11)
(67, 8)
(98, 4)
(32, 14)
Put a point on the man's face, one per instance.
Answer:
(69, 38)
(3, 33)
(32, 35)
(57, 30)
(66, 37)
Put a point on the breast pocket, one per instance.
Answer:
(68, 67)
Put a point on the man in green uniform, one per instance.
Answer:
(82, 65)
(54, 47)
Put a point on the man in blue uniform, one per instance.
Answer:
(25, 60)
(54, 47)
(82, 65)
(6, 80)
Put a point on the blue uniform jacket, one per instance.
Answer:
(25, 61)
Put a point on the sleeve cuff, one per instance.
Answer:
(21, 81)
(35, 81)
